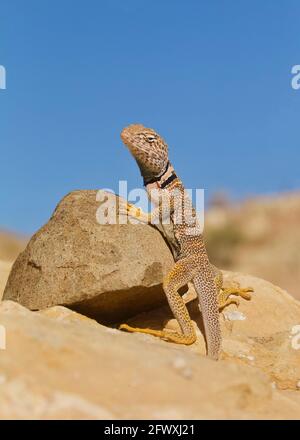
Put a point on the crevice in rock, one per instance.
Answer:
(34, 265)
(110, 308)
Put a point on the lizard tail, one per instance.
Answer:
(207, 293)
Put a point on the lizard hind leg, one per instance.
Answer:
(182, 272)
(225, 295)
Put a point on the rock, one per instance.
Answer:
(60, 365)
(108, 272)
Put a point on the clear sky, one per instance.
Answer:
(212, 76)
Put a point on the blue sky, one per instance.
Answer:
(212, 76)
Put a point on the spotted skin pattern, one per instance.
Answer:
(185, 240)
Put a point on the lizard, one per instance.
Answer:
(184, 236)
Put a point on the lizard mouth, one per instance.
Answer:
(129, 140)
(125, 136)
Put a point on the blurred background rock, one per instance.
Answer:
(260, 236)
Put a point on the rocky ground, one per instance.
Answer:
(62, 363)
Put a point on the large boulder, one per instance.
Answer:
(108, 272)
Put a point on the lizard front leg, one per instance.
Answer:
(183, 272)
(135, 213)
(159, 214)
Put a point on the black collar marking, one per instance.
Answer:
(169, 180)
(156, 179)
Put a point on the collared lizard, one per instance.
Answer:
(176, 219)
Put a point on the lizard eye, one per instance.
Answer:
(151, 138)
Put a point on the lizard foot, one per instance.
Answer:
(225, 299)
(168, 336)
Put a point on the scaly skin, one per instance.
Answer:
(185, 240)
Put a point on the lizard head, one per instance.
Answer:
(149, 150)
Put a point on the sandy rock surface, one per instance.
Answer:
(60, 364)
(263, 332)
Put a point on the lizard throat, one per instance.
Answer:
(148, 181)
